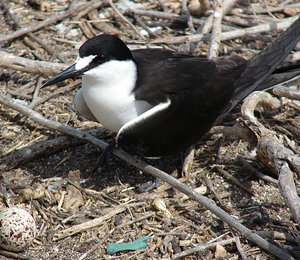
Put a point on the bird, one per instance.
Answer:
(160, 102)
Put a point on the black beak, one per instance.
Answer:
(70, 72)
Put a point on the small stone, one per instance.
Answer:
(220, 252)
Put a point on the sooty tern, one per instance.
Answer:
(160, 102)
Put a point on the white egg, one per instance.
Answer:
(17, 229)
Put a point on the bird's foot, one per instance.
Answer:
(150, 186)
(103, 160)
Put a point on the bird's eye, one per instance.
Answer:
(102, 57)
(99, 59)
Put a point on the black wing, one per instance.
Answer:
(186, 102)
(200, 92)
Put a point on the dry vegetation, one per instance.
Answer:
(78, 212)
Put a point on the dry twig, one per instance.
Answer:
(10, 61)
(286, 92)
(203, 247)
(215, 40)
(228, 35)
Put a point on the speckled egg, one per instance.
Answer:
(17, 229)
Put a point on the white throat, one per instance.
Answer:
(107, 90)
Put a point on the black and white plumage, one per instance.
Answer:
(160, 102)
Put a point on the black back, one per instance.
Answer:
(201, 92)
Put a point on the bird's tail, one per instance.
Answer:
(261, 66)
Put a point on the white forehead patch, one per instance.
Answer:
(81, 63)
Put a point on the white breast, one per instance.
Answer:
(107, 91)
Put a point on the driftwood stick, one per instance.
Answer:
(272, 153)
(163, 15)
(236, 130)
(207, 203)
(288, 190)
(258, 29)
(251, 102)
(215, 40)
(240, 22)
(215, 24)
(10, 61)
(228, 35)
(188, 161)
(286, 92)
(19, 94)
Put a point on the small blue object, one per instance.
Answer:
(134, 245)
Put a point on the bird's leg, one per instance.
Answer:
(188, 161)
(104, 158)
(155, 183)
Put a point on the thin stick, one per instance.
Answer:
(89, 224)
(207, 203)
(57, 92)
(203, 247)
(256, 172)
(239, 247)
(233, 179)
(188, 16)
(125, 19)
(93, 6)
(288, 190)
(83, 256)
(88, 193)
(215, 39)
(144, 26)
